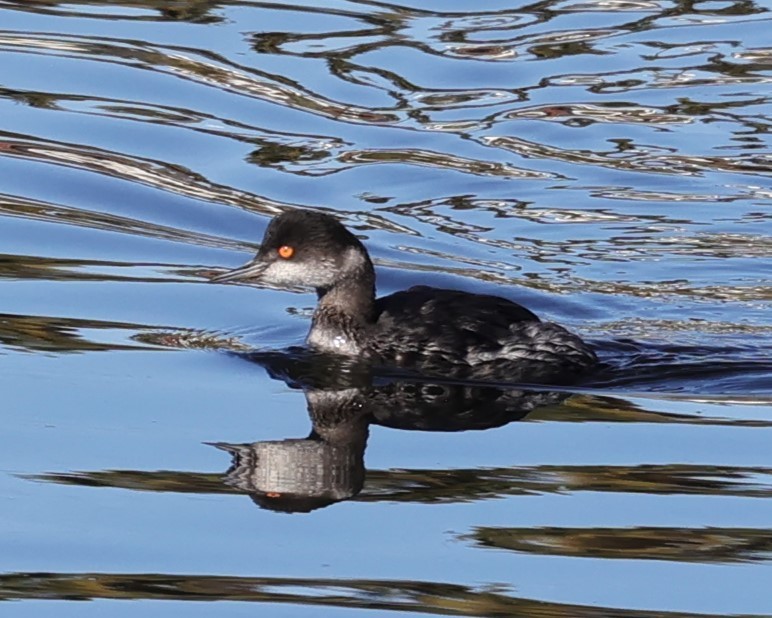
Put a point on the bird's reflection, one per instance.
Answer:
(344, 398)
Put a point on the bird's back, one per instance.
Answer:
(459, 334)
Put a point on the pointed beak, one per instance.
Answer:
(250, 271)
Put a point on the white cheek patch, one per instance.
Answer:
(283, 273)
(315, 274)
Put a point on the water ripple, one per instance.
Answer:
(604, 162)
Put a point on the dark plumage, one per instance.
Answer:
(434, 331)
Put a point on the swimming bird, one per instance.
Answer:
(434, 331)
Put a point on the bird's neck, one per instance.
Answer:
(345, 313)
(352, 296)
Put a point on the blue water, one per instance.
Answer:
(606, 164)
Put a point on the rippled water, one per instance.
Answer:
(604, 162)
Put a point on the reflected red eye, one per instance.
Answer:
(286, 251)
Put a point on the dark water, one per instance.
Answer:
(606, 163)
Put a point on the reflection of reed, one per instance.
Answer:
(500, 36)
(207, 69)
(412, 105)
(451, 486)
(54, 334)
(705, 545)
(595, 113)
(439, 160)
(35, 333)
(54, 269)
(642, 235)
(637, 159)
(144, 171)
(366, 594)
(13, 206)
(153, 173)
(290, 151)
(448, 486)
(184, 182)
(572, 252)
(199, 11)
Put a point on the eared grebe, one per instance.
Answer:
(435, 331)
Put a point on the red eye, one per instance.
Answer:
(286, 251)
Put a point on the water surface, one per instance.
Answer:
(606, 163)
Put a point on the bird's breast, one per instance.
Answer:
(334, 342)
